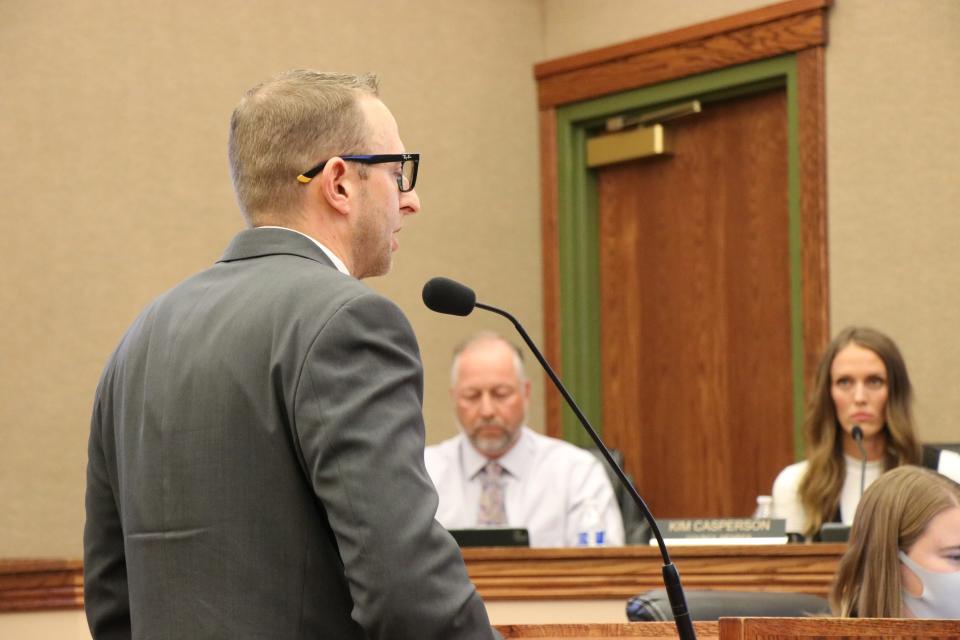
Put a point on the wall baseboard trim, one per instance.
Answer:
(40, 585)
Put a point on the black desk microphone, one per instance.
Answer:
(448, 296)
(857, 434)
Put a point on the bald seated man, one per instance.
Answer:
(500, 472)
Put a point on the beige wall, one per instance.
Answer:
(113, 122)
(572, 26)
(893, 90)
(45, 625)
(113, 174)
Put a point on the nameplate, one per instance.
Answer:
(695, 531)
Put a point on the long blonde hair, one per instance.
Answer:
(822, 483)
(892, 514)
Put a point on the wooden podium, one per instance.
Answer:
(647, 630)
(749, 629)
(523, 574)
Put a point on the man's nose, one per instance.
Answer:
(409, 202)
(486, 404)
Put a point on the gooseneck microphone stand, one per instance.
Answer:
(448, 296)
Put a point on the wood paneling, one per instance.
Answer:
(811, 109)
(527, 574)
(678, 37)
(746, 37)
(550, 574)
(550, 242)
(648, 630)
(748, 629)
(834, 628)
(35, 585)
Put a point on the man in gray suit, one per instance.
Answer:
(256, 447)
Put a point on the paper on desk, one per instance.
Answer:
(949, 464)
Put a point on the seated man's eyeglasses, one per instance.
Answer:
(406, 179)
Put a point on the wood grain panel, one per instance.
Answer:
(747, 44)
(550, 243)
(750, 629)
(35, 585)
(526, 574)
(535, 574)
(649, 630)
(684, 36)
(695, 303)
(837, 628)
(811, 105)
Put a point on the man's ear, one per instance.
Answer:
(338, 185)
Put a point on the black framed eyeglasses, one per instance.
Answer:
(406, 180)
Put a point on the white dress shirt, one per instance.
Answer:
(548, 484)
(786, 499)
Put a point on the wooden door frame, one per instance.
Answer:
(792, 33)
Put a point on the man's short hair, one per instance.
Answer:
(284, 126)
(486, 336)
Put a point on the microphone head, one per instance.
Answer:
(444, 295)
(857, 433)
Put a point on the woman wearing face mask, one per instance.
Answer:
(904, 553)
(861, 382)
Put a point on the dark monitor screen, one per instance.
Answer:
(834, 532)
(492, 537)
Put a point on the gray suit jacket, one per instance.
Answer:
(256, 464)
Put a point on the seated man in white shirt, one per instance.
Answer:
(548, 486)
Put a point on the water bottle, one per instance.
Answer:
(590, 531)
(764, 507)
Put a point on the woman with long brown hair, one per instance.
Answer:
(903, 559)
(861, 382)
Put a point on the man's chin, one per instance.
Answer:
(380, 268)
(492, 447)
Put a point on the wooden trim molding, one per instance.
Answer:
(550, 243)
(37, 585)
(745, 37)
(706, 630)
(811, 628)
(678, 37)
(519, 574)
(556, 574)
(796, 26)
(811, 82)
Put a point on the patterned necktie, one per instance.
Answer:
(491, 511)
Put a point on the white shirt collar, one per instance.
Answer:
(337, 262)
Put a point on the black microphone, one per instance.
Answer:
(444, 295)
(857, 434)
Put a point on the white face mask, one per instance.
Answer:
(941, 593)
